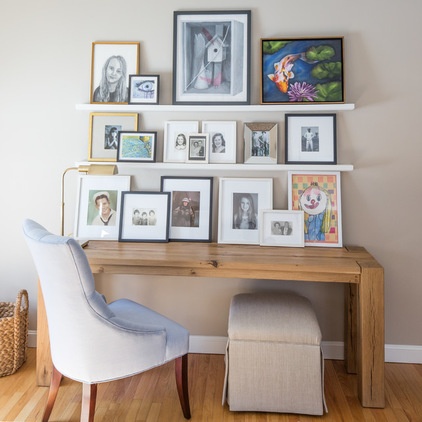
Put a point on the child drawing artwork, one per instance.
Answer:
(316, 204)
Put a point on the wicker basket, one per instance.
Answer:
(13, 333)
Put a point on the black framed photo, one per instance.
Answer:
(139, 147)
(302, 70)
(211, 57)
(191, 207)
(144, 217)
(198, 148)
(144, 89)
(112, 63)
(310, 139)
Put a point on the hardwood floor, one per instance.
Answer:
(152, 396)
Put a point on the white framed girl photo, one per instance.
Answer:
(222, 141)
(176, 140)
(240, 202)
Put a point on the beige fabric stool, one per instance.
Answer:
(274, 360)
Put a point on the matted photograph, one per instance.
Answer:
(260, 143)
(240, 202)
(111, 65)
(197, 148)
(211, 57)
(104, 131)
(98, 206)
(144, 89)
(318, 195)
(138, 147)
(144, 217)
(302, 70)
(281, 228)
(176, 140)
(222, 138)
(310, 139)
(191, 207)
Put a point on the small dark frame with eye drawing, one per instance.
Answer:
(144, 89)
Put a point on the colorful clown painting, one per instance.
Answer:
(318, 195)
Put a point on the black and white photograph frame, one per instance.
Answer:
(137, 146)
(223, 141)
(98, 206)
(104, 131)
(310, 139)
(176, 139)
(211, 57)
(144, 217)
(260, 143)
(191, 207)
(240, 202)
(281, 228)
(144, 89)
(111, 65)
(198, 146)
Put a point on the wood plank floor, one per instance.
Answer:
(152, 396)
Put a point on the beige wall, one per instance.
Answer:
(45, 69)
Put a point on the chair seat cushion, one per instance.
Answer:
(132, 315)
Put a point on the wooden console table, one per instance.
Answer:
(361, 274)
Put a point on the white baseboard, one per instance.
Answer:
(396, 353)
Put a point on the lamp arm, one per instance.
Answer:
(62, 198)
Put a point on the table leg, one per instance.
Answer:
(371, 355)
(350, 327)
(44, 364)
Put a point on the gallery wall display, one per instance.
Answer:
(212, 66)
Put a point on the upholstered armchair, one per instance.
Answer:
(93, 341)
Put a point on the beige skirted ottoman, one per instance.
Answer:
(274, 360)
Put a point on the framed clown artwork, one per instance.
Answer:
(318, 195)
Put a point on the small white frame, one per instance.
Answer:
(227, 131)
(173, 153)
(281, 228)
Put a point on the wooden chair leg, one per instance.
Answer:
(89, 397)
(182, 384)
(56, 378)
